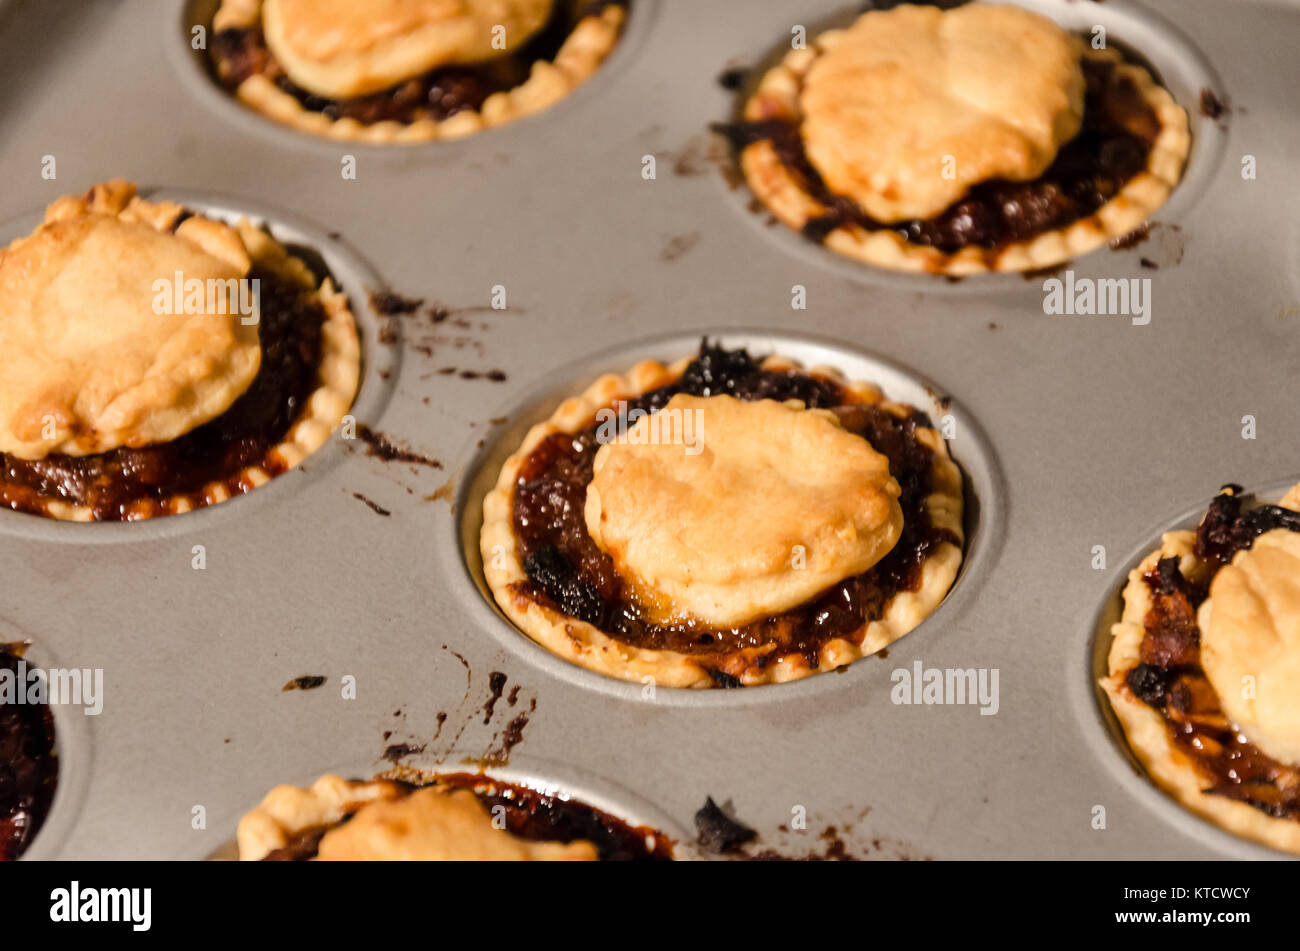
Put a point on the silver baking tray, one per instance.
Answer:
(1074, 432)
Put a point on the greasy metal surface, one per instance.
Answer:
(1103, 431)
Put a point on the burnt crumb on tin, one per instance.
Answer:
(510, 737)
(1212, 107)
(494, 376)
(460, 658)
(429, 329)
(1132, 239)
(496, 687)
(994, 325)
(1148, 264)
(466, 720)
(308, 682)
(372, 505)
(719, 833)
(514, 734)
(399, 751)
(336, 235)
(440, 313)
(383, 448)
(706, 152)
(679, 245)
(393, 305)
(733, 78)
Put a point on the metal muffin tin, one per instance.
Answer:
(1073, 432)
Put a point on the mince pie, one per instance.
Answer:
(408, 70)
(153, 360)
(29, 764)
(1205, 667)
(724, 521)
(456, 817)
(980, 138)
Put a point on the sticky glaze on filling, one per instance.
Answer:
(119, 484)
(29, 769)
(529, 814)
(1171, 680)
(567, 570)
(1119, 130)
(438, 94)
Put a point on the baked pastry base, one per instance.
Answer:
(777, 97)
(592, 40)
(1148, 732)
(337, 376)
(587, 646)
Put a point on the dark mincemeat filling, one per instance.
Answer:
(531, 815)
(1119, 130)
(29, 768)
(1170, 678)
(109, 483)
(567, 569)
(438, 94)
